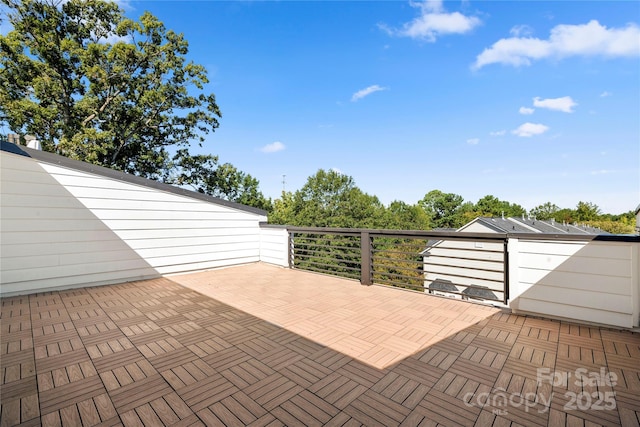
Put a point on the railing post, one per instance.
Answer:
(366, 250)
(291, 250)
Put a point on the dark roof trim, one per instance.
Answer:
(59, 160)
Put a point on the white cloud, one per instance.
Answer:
(605, 94)
(365, 92)
(521, 30)
(433, 22)
(530, 129)
(273, 147)
(498, 133)
(591, 39)
(526, 111)
(473, 141)
(564, 104)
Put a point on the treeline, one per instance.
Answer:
(332, 199)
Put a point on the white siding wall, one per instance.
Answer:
(590, 281)
(63, 228)
(274, 246)
(467, 263)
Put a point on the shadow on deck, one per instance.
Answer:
(262, 345)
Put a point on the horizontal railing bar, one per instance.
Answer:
(386, 251)
(314, 249)
(336, 266)
(407, 261)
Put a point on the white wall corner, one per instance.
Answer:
(635, 283)
(515, 287)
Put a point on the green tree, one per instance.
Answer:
(402, 216)
(95, 86)
(443, 208)
(544, 211)
(586, 211)
(282, 211)
(329, 199)
(492, 206)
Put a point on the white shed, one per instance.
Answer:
(66, 223)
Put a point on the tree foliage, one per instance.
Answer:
(328, 199)
(443, 208)
(95, 86)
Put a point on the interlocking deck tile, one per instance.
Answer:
(261, 345)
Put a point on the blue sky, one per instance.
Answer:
(528, 101)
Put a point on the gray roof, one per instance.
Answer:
(57, 159)
(530, 225)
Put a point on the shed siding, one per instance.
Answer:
(465, 263)
(591, 281)
(64, 228)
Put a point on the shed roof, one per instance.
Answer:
(530, 225)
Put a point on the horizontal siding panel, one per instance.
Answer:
(604, 267)
(32, 189)
(478, 254)
(465, 281)
(69, 259)
(25, 173)
(184, 268)
(49, 201)
(45, 247)
(577, 280)
(208, 250)
(575, 312)
(141, 224)
(158, 215)
(45, 225)
(607, 250)
(164, 261)
(468, 263)
(581, 298)
(457, 271)
(139, 266)
(168, 233)
(38, 213)
(84, 180)
(177, 242)
(11, 238)
(465, 244)
(102, 193)
(179, 205)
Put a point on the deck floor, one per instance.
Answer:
(261, 345)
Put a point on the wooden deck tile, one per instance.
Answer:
(272, 391)
(70, 393)
(157, 353)
(139, 393)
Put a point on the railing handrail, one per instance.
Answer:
(460, 235)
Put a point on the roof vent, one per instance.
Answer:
(35, 144)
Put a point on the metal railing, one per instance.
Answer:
(454, 264)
